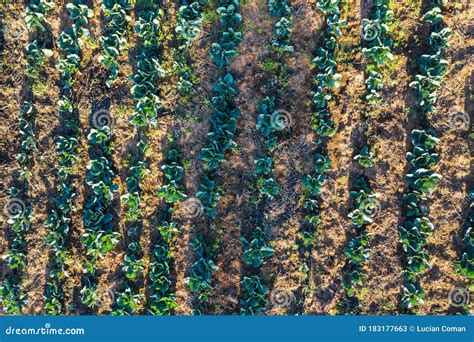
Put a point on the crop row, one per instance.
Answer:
(375, 31)
(465, 265)
(269, 124)
(98, 237)
(19, 219)
(219, 141)
(324, 81)
(162, 298)
(114, 40)
(58, 222)
(127, 299)
(19, 210)
(422, 181)
(145, 94)
(188, 28)
(375, 34)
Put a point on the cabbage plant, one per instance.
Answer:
(35, 14)
(254, 293)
